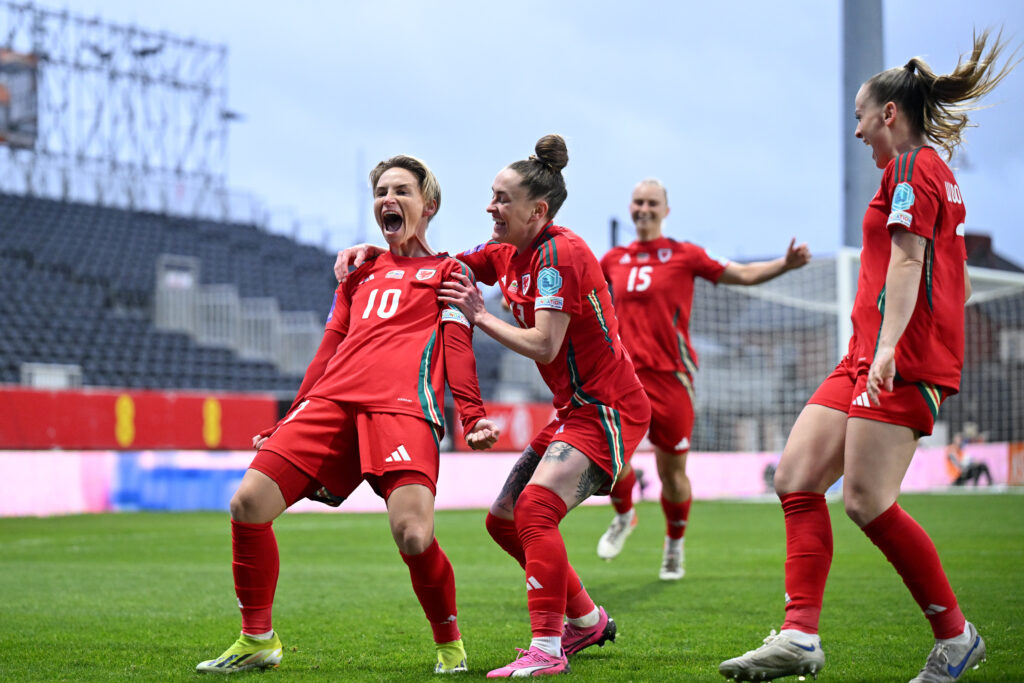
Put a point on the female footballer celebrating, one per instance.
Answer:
(904, 359)
(351, 421)
(556, 291)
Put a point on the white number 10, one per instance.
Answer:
(388, 303)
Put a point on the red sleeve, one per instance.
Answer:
(915, 197)
(460, 371)
(559, 287)
(480, 261)
(315, 370)
(705, 264)
(337, 319)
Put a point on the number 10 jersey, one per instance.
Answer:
(391, 358)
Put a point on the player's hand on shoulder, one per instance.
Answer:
(797, 256)
(351, 258)
(462, 292)
(484, 434)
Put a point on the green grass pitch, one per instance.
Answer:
(146, 596)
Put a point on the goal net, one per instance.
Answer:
(764, 349)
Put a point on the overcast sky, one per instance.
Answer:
(735, 106)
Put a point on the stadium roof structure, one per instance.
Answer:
(981, 253)
(122, 116)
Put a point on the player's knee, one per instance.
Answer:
(245, 507)
(497, 527)
(861, 506)
(412, 536)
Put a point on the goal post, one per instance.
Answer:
(763, 350)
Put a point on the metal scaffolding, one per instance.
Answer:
(127, 117)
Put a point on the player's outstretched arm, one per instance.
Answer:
(762, 271)
(351, 258)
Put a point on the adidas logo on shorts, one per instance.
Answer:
(398, 455)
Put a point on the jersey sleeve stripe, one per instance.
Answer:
(548, 253)
(929, 268)
(467, 271)
(579, 397)
(595, 303)
(905, 166)
(428, 401)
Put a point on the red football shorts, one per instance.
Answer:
(909, 404)
(338, 446)
(671, 395)
(607, 435)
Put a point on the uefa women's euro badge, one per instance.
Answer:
(902, 200)
(902, 197)
(549, 281)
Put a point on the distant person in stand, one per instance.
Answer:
(962, 467)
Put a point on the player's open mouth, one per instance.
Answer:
(392, 221)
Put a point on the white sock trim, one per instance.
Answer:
(552, 645)
(260, 636)
(961, 639)
(587, 620)
(800, 637)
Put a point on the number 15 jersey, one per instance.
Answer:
(390, 359)
(652, 283)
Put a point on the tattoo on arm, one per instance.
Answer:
(590, 482)
(518, 478)
(922, 241)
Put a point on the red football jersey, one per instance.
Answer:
(558, 272)
(653, 287)
(919, 194)
(390, 359)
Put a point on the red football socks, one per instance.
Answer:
(537, 514)
(433, 581)
(676, 516)
(622, 493)
(808, 558)
(503, 531)
(255, 565)
(911, 551)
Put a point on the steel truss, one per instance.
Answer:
(128, 117)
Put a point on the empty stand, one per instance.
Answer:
(77, 286)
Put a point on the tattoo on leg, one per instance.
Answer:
(518, 478)
(590, 482)
(558, 451)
